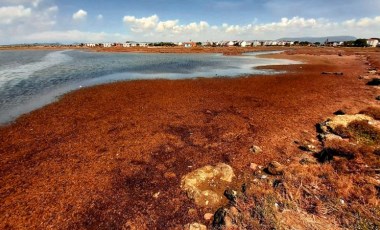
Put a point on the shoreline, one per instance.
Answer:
(51, 97)
(234, 51)
(97, 157)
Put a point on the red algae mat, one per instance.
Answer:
(96, 158)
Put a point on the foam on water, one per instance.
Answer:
(11, 75)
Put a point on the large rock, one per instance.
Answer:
(195, 226)
(206, 185)
(344, 120)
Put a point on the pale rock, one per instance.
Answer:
(255, 149)
(206, 185)
(344, 120)
(208, 216)
(253, 166)
(275, 168)
(195, 226)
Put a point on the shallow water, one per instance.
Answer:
(32, 79)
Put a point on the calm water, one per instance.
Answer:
(31, 79)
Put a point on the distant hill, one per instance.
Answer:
(320, 39)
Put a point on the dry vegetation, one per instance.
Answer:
(341, 190)
(336, 185)
(111, 157)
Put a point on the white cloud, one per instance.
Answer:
(18, 21)
(35, 3)
(170, 24)
(80, 15)
(152, 28)
(141, 24)
(25, 23)
(152, 24)
(10, 14)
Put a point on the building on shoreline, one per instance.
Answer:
(373, 42)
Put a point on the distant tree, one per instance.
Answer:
(296, 43)
(349, 43)
(361, 42)
(304, 43)
(162, 44)
(199, 43)
(317, 43)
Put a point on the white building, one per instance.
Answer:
(245, 44)
(143, 44)
(231, 43)
(127, 44)
(373, 42)
(90, 44)
(256, 43)
(107, 45)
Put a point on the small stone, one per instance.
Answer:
(230, 194)
(255, 149)
(307, 147)
(378, 98)
(253, 166)
(342, 201)
(195, 226)
(170, 175)
(275, 168)
(156, 195)
(219, 220)
(264, 177)
(332, 137)
(364, 77)
(192, 212)
(372, 72)
(208, 216)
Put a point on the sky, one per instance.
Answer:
(70, 21)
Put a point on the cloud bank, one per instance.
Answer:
(152, 26)
(28, 21)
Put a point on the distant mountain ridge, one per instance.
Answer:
(320, 39)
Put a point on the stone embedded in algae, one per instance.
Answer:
(344, 120)
(206, 185)
(195, 226)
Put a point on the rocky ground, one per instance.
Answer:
(256, 152)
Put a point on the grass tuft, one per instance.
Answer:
(364, 133)
(372, 111)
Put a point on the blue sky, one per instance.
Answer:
(168, 20)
